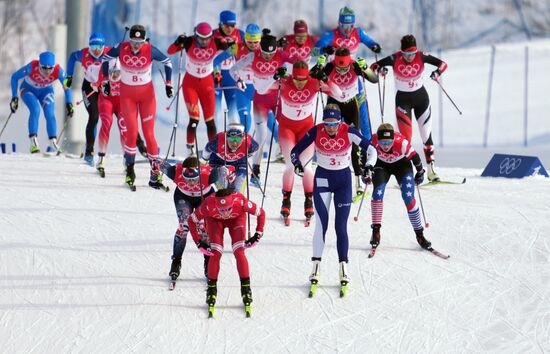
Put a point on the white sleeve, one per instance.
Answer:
(372, 155)
(242, 63)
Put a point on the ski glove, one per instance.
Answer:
(14, 104)
(68, 81)
(180, 41)
(106, 88)
(204, 247)
(282, 42)
(317, 73)
(281, 73)
(169, 90)
(435, 74)
(329, 49)
(321, 61)
(376, 48)
(367, 174)
(419, 176)
(299, 169)
(253, 241)
(241, 85)
(70, 109)
(362, 63)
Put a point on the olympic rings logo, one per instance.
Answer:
(299, 96)
(332, 144)
(301, 52)
(200, 53)
(41, 79)
(508, 165)
(137, 62)
(346, 42)
(343, 79)
(267, 67)
(408, 70)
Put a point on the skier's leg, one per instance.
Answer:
(363, 111)
(287, 140)
(32, 103)
(207, 100)
(260, 126)
(238, 235)
(322, 198)
(191, 99)
(403, 112)
(106, 115)
(147, 112)
(215, 234)
(342, 205)
(380, 178)
(129, 110)
(91, 104)
(48, 105)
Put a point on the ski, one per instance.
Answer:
(433, 183)
(247, 311)
(372, 252)
(358, 197)
(132, 186)
(159, 186)
(313, 287)
(437, 253)
(343, 288)
(211, 310)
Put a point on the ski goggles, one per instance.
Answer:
(409, 54)
(137, 41)
(234, 139)
(191, 174)
(385, 142)
(346, 25)
(96, 46)
(331, 124)
(46, 67)
(299, 81)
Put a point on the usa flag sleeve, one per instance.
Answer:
(161, 57)
(364, 144)
(18, 75)
(303, 144)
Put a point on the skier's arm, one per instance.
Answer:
(73, 58)
(366, 40)
(430, 59)
(223, 44)
(331, 88)
(324, 41)
(18, 75)
(210, 148)
(168, 170)
(251, 208)
(194, 219)
(303, 144)
(160, 57)
(242, 63)
(356, 137)
(387, 61)
(252, 145)
(68, 92)
(367, 73)
(181, 43)
(114, 52)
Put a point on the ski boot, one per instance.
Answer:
(344, 278)
(190, 150)
(205, 265)
(89, 159)
(130, 176)
(141, 147)
(211, 293)
(375, 238)
(175, 268)
(100, 167)
(155, 178)
(308, 208)
(246, 294)
(34, 145)
(255, 176)
(425, 244)
(53, 148)
(429, 153)
(285, 208)
(432, 175)
(314, 276)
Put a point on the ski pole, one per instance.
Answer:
(5, 124)
(60, 138)
(422, 206)
(449, 97)
(246, 149)
(177, 105)
(380, 101)
(87, 96)
(225, 88)
(175, 97)
(272, 137)
(356, 217)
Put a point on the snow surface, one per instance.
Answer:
(84, 266)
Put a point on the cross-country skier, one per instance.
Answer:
(395, 154)
(345, 72)
(264, 64)
(299, 44)
(244, 97)
(37, 91)
(230, 149)
(227, 209)
(187, 197)
(224, 83)
(408, 69)
(198, 84)
(349, 36)
(137, 93)
(298, 104)
(333, 141)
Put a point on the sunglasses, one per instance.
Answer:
(191, 174)
(137, 41)
(228, 24)
(385, 142)
(300, 81)
(346, 25)
(46, 67)
(409, 54)
(331, 124)
(235, 139)
(97, 47)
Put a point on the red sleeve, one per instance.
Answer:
(251, 208)
(194, 219)
(173, 48)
